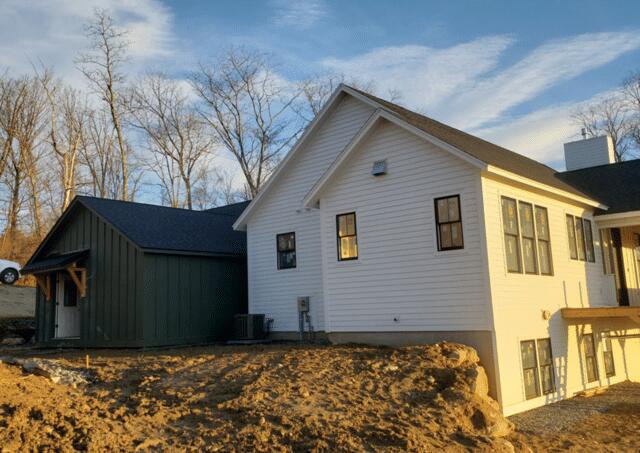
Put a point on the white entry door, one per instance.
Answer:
(67, 307)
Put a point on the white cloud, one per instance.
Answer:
(546, 66)
(52, 31)
(299, 14)
(541, 133)
(424, 76)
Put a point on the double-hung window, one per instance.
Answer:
(580, 235)
(347, 236)
(526, 237)
(449, 223)
(537, 367)
(609, 365)
(590, 358)
(286, 244)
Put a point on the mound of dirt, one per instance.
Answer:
(259, 398)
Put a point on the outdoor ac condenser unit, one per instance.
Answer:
(248, 327)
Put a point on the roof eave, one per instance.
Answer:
(545, 187)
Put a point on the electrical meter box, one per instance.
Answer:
(303, 304)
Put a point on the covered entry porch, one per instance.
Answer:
(62, 281)
(620, 240)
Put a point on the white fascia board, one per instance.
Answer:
(618, 215)
(241, 222)
(544, 187)
(312, 197)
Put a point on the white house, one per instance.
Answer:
(400, 229)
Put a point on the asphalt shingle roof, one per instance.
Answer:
(480, 149)
(615, 185)
(155, 227)
(53, 263)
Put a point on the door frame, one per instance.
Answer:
(61, 282)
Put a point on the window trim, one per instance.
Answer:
(517, 235)
(607, 349)
(550, 366)
(587, 247)
(547, 241)
(540, 392)
(594, 357)
(534, 239)
(355, 234)
(278, 251)
(438, 223)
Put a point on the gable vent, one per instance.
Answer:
(379, 168)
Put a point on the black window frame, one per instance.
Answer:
(543, 241)
(355, 235)
(516, 235)
(536, 374)
(439, 224)
(532, 238)
(607, 352)
(546, 366)
(583, 242)
(279, 252)
(593, 357)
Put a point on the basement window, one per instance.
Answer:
(590, 359)
(347, 236)
(580, 235)
(449, 223)
(609, 365)
(286, 244)
(537, 367)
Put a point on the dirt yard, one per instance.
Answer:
(257, 398)
(291, 398)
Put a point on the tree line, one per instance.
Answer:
(616, 115)
(124, 133)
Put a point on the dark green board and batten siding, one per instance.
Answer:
(137, 298)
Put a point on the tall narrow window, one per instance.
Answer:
(545, 358)
(347, 236)
(528, 238)
(588, 239)
(286, 244)
(609, 366)
(544, 241)
(511, 234)
(571, 231)
(590, 359)
(580, 238)
(530, 369)
(449, 223)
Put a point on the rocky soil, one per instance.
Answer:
(257, 398)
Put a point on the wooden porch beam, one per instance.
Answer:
(44, 282)
(79, 277)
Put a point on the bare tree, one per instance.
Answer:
(67, 116)
(102, 66)
(249, 110)
(631, 90)
(174, 131)
(608, 117)
(98, 157)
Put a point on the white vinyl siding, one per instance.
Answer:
(274, 292)
(400, 281)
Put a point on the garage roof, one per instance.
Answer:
(162, 228)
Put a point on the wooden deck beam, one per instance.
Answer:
(632, 313)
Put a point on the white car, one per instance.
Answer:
(9, 272)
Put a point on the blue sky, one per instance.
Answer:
(511, 72)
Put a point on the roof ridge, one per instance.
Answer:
(204, 211)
